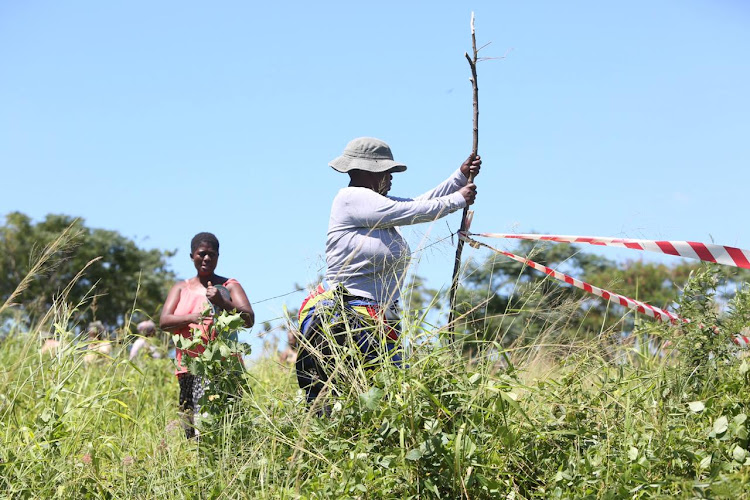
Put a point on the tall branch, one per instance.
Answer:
(474, 149)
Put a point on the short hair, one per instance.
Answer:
(208, 238)
(96, 328)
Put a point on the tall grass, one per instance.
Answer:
(590, 419)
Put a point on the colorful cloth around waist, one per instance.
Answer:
(368, 309)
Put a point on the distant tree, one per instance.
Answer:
(503, 300)
(419, 299)
(506, 301)
(121, 275)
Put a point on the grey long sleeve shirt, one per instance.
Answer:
(365, 250)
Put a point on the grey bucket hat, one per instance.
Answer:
(367, 153)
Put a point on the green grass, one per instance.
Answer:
(519, 423)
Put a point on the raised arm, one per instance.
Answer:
(456, 181)
(360, 207)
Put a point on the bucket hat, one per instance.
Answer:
(367, 153)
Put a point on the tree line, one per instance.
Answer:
(499, 299)
(115, 273)
(503, 300)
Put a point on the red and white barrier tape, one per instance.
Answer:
(636, 305)
(720, 254)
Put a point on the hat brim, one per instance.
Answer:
(345, 163)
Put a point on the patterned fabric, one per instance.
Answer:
(192, 388)
(333, 314)
(321, 299)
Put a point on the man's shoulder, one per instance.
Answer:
(358, 196)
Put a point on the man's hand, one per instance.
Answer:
(471, 166)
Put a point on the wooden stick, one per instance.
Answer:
(474, 150)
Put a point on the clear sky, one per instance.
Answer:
(163, 119)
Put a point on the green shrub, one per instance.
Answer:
(629, 424)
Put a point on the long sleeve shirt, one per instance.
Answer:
(366, 251)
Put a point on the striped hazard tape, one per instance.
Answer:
(636, 305)
(720, 254)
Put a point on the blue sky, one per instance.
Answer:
(163, 119)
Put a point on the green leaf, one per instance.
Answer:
(697, 406)
(46, 415)
(432, 397)
(208, 352)
(371, 398)
(739, 454)
(120, 414)
(510, 396)
(115, 400)
(744, 367)
(431, 426)
(469, 448)
(197, 334)
(414, 454)
(230, 322)
(224, 350)
(633, 453)
(720, 425)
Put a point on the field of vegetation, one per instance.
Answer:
(662, 413)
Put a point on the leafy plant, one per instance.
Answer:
(510, 422)
(220, 361)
